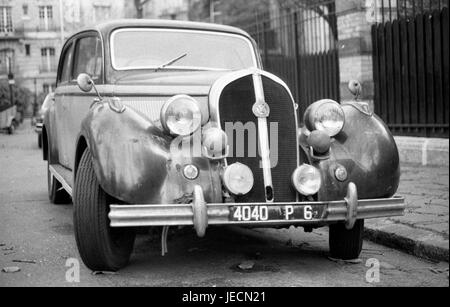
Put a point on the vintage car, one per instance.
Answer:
(165, 123)
(40, 118)
(8, 118)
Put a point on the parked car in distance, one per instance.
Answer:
(40, 118)
(166, 123)
(8, 120)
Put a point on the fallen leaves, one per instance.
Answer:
(246, 265)
(9, 270)
(25, 261)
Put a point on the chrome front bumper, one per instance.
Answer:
(201, 214)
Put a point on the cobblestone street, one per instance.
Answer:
(424, 230)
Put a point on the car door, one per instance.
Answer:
(62, 94)
(87, 58)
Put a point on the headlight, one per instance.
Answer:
(238, 179)
(181, 116)
(326, 116)
(307, 180)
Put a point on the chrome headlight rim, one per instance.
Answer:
(238, 168)
(302, 188)
(315, 115)
(196, 116)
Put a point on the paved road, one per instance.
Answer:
(32, 229)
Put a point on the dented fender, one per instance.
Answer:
(133, 161)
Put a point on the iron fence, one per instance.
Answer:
(411, 67)
(300, 46)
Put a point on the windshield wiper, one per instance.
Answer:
(171, 62)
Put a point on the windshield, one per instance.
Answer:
(153, 48)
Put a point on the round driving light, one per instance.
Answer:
(341, 173)
(181, 115)
(215, 141)
(307, 180)
(326, 116)
(319, 141)
(238, 179)
(190, 172)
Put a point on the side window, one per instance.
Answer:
(88, 57)
(65, 73)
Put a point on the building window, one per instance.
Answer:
(102, 13)
(27, 50)
(6, 24)
(6, 61)
(45, 16)
(25, 10)
(48, 63)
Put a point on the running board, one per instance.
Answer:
(63, 175)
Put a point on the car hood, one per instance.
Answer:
(166, 83)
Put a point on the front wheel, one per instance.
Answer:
(101, 247)
(12, 129)
(346, 244)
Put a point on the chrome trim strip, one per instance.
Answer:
(113, 35)
(61, 180)
(263, 137)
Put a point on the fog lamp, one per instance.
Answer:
(238, 179)
(307, 180)
(190, 172)
(215, 141)
(319, 141)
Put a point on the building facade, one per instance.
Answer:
(32, 33)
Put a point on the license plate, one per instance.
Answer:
(275, 213)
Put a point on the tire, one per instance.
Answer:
(11, 129)
(40, 141)
(101, 247)
(56, 194)
(346, 244)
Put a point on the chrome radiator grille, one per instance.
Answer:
(235, 106)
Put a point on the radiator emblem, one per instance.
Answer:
(261, 109)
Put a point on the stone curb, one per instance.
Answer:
(424, 151)
(417, 242)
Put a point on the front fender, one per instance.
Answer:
(133, 161)
(368, 151)
(129, 152)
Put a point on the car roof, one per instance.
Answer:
(107, 27)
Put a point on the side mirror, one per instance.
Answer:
(85, 83)
(355, 88)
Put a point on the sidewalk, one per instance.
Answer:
(424, 230)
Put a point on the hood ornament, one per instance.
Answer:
(261, 109)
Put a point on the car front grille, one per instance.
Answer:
(235, 106)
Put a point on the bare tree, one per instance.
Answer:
(139, 4)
